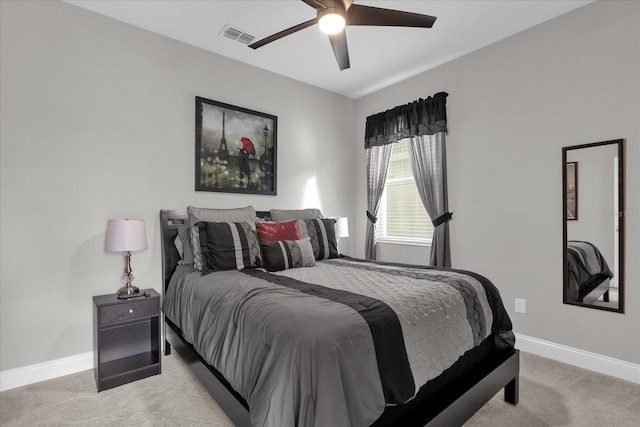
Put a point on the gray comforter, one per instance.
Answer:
(332, 345)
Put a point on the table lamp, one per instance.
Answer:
(342, 226)
(126, 235)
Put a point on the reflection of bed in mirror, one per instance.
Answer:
(589, 275)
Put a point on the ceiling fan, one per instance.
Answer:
(333, 15)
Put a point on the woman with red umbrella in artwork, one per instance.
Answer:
(243, 159)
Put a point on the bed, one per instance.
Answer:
(589, 275)
(339, 343)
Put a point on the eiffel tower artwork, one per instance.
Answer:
(235, 149)
(223, 152)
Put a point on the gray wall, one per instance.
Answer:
(511, 108)
(98, 123)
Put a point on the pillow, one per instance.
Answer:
(279, 215)
(247, 214)
(228, 245)
(183, 245)
(288, 254)
(276, 231)
(322, 235)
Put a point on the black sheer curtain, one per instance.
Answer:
(424, 124)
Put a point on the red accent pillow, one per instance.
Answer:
(276, 231)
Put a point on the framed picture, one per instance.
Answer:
(235, 149)
(572, 190)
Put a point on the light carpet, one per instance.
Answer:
(551, 394)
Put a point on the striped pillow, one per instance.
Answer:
(322, 235)
(229, 246)
(246, 214)
(286, 254)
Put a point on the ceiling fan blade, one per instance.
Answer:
(315, 4)
(283, 33)
(367, 15)
(323, 4)
(340, 49)
(347, 4)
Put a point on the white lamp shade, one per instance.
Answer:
(342, 227)
(125, 235)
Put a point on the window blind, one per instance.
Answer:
(402, 215)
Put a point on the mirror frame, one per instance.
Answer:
(621, 230)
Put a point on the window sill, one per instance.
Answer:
(386, 240)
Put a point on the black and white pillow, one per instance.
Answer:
(285, 254)
(322, 235)
(196, 215)
(228, 246)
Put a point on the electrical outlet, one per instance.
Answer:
(521, 306)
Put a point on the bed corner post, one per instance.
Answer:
(512, 389)
(163, 230)
(167, 346)
(511, 394)
(171, 222)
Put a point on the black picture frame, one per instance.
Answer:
(572, 190)
(235, 150)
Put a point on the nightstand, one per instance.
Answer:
(126, 338)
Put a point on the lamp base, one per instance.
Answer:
(129, 292)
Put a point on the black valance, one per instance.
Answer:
(421, 117)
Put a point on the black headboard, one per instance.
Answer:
(171, 221)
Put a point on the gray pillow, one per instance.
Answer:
(280, 215)
(183, 245)
(196, 215)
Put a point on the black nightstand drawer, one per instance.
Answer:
(135, 309)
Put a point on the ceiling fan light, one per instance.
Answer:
(332, 21)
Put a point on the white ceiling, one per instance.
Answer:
(380, 56)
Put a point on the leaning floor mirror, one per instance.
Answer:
(593, 225)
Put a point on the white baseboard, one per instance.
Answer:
(583, 359)
(25, 375)
(19, 377)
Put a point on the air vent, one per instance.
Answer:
(245, 38)
(237, 34)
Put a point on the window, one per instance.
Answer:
(402, 216)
